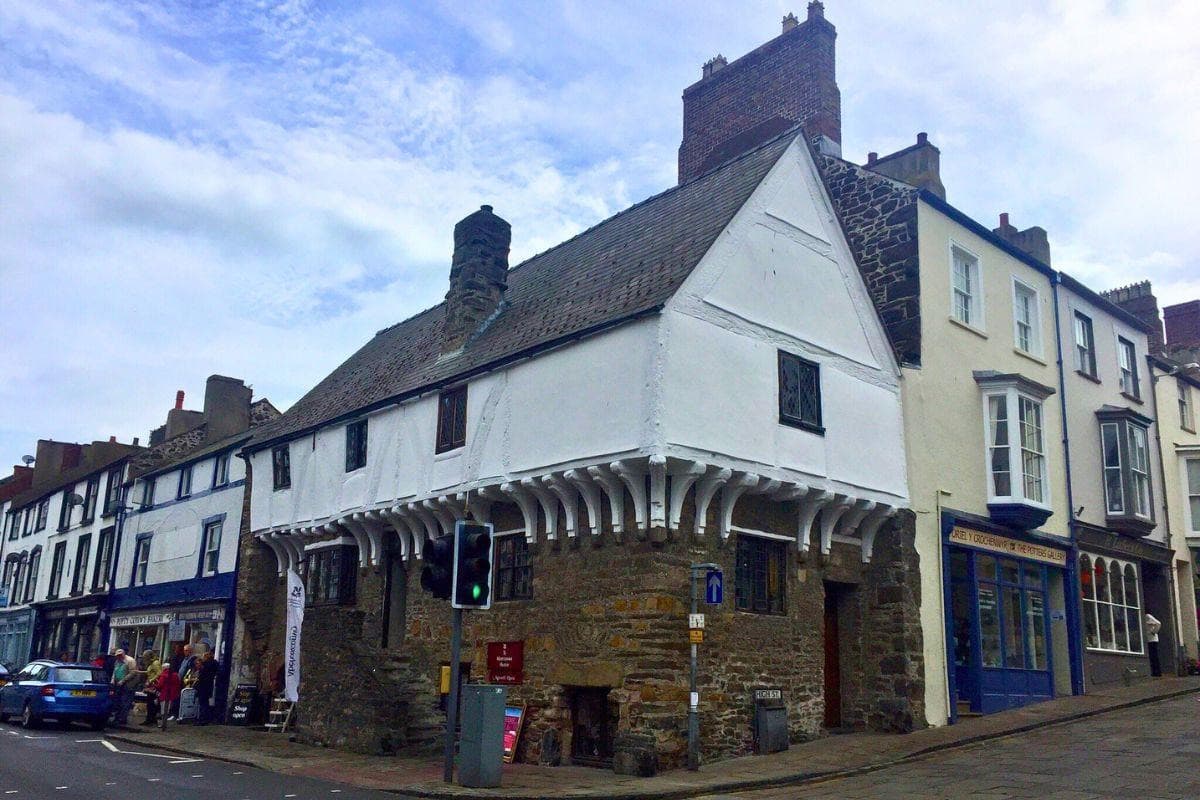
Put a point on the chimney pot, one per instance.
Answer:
(816, 10)
(872, 157)
(1003, 219)
(179, 399)
(790, 22)
(112, 439)
(135, 441)
(922, 138)
(486, 208)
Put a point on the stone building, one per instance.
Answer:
(700, 378)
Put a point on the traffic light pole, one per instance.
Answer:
(452, 711)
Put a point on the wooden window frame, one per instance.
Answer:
(452, 419)
(796, 417)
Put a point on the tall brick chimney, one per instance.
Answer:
(918, 165)
(478, 275)
(1032, 240)
(1183, 325)
(736, 106)
(226, 406)
(1138, 299)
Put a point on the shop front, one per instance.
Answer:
(159, 630)
(69, 630)
(1121, 579)
(1006, 616)
(16, 636)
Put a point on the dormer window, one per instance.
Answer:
(1015, 441)
(1125, 455)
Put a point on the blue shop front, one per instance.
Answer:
(1009, 619)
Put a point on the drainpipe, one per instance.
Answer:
(1176, 622)
(1071, 587)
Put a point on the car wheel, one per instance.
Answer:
(98, 723)
(28, 718)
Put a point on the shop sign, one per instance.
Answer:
(214, 614)
(140, 620)
(176, 630)
(506, 662)
(243, 703)
(1009, 547)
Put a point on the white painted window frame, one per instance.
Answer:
(976, 310)
(1035, 347)
(1016, 462)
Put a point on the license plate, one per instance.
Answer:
(81, 693)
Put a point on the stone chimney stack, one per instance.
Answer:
(917, 165)
(737, 106)
(1138, 299)
(226, 406)
(478, 276)
(1032, 240)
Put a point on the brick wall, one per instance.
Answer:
(1182, 322)
(788, 80)
(879, 218)
(611, 612)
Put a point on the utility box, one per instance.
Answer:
(770, 722)
(481, 749)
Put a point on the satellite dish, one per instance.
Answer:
(28, 460)
(74, 499)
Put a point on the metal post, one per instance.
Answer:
(693, 756)
(452, 711)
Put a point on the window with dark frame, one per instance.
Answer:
(799, 393)
(220, 470)
(89, 499)
(83, 552)
(1085, 345)
(141, 560)
(43, 512)
(452, 419)
(64, 510)
(35, 565)
(331, 575)
(148, 492)
(281, 467)
(184, 488)
(761, 579)
(356, 445)
(104, 550)
(57, 562)
(30, 513)
(1127, 361)
(513, 578)
(112, 493)
(14, 525)
(211, 551)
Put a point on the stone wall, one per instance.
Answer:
(611, 612)
(879, 218)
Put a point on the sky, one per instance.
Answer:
(254, 189)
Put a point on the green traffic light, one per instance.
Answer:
(476, 591)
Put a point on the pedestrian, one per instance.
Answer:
(206, 682)
(188, 663)
(154, 668)
(124, 670)
(177, 657)
(1153, 626)
(168, 694)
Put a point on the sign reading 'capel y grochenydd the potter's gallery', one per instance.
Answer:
(1003, 544)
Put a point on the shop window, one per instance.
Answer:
(141, 559)
(83, 551)
(1112, 613)
(1085, 345)
(1012, 613)
(210, 548)
(90, 494)
(799, 393)
(281, 467)
(512, 568)
(331, 574)
(220, 470)
(104, 550)
(356, 445)
(452, 419)
(57, 562)
(759, 585)
(112, 493)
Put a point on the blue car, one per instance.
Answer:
(65, 692)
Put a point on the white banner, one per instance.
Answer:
(291, 646)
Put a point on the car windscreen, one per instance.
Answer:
(78, 675)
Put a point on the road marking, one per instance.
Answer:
(13, 733)
(188, 761)
(87, 741)
(197, 776)
(239, 773)
(27, 736)
(60, 788)
(109, 745)
(154, 780)
(11, 791)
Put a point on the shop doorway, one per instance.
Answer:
(592, 726)
(395, 597)
(837, 596)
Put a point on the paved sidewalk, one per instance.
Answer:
(833, 756)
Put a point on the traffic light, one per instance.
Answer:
(436, 575)
(472, 566)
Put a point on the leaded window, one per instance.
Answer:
(761, 579)
(799, 392)
(513, 580)
(452, 419)
(356, 445)
(281, 467)
(330, 575)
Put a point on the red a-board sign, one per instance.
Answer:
(506, 662)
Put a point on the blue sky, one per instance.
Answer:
(254, 189)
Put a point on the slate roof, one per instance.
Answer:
(622, 268)
(113, 453)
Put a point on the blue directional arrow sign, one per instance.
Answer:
(714, 587)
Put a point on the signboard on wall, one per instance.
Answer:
(176, 630)
(1004, 545)
(506, 663)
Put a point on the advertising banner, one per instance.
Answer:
(295, 621)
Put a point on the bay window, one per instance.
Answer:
(1015, 449)
(1125, 463)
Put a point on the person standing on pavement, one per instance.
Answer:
(154, 668)
(206, 681)
(168, 688)
(1153, 626)
(124, 668)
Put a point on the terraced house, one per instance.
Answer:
(698, 378)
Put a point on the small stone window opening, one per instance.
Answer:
(356, 445)
(761, 579)
(452, 419)
(513, 580)
(281, 467)
(331, 575)
(799, 393)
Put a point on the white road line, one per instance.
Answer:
(239, 773)
(109, 745)
(11, 791)
(13, 733)
(188, 761)
(60, 788)
(87, 741)
(154, 780)
(27, 736)
(197, 776)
